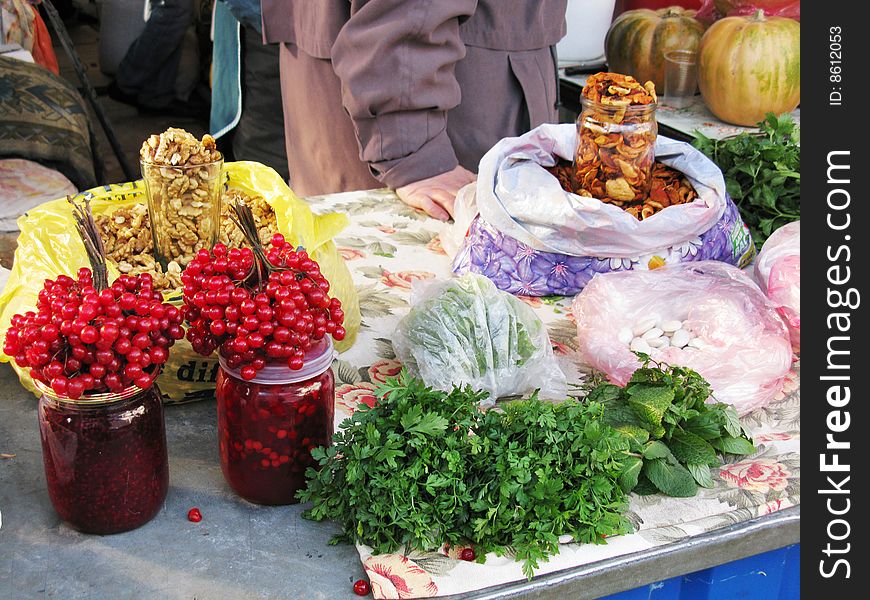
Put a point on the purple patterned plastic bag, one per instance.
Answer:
(519, 269)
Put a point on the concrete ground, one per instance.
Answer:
(239, 551)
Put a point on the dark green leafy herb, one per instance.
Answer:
(425, 467)
(675, 434)
(762, 173)
(397, 475)
(546, 470)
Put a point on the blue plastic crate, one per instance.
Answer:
(774, 575)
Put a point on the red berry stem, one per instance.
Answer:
(86, 337)
(94, 248)
(243, 218)
(265, 266)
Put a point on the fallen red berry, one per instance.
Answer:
(361, 587)
(467, 554)
(194, 516)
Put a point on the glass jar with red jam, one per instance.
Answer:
(267, 426)
(105, 457)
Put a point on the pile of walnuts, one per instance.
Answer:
(128, 240)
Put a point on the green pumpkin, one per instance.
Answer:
(637, 40)
(749, 66)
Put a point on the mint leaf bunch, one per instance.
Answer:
(674, 436)
(762, 173)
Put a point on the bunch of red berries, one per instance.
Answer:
(84, 340)
(258, 306)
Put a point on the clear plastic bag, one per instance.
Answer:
(466, 331)
(745, 350)
(778, 273)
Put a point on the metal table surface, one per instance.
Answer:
(243, 551)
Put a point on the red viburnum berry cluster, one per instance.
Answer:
(81, 340)
(258, 310)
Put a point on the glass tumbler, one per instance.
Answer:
(184, 205)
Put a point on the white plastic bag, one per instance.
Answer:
(778, 273)
(745, 352)
(465, 331)
(520, 198)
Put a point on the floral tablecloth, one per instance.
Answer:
(387, 247)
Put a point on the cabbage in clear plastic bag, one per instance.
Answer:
(466, 331)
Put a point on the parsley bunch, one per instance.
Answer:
(762, 173)
(674, 435)
(424, 467)
(546, 470)
(397, 475)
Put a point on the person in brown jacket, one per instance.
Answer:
(409, 94)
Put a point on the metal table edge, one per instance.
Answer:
(621, 573)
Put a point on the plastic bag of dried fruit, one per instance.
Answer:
(708, 316)
(48, 245)
(778, 273)
(532, 237)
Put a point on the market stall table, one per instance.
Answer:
(240, 550)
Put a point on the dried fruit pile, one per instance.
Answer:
(616, 140)
(86, 336)
(669, 187)
(258, 305)
(126, 234)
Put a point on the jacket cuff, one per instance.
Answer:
(434, 157)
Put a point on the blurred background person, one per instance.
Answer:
(147, 76)
(246, 114)
(409, 94)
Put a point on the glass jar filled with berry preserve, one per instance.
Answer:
(105, 457)
(268, 425)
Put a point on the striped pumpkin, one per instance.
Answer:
(748, 66)
(637, 40)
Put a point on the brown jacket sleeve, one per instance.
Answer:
(395, 59)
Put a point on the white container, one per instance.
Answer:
(588, 22)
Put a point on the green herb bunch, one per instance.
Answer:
(674, 435)
(397, 475)
(424, 467)
(762, 173)
(546, 470)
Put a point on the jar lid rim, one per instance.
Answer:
(90, 399)
(317, 360)
(142, 161)
(616, 107)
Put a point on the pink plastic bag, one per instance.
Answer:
(778, 273)
(744, 350)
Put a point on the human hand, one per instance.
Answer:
(436, 195)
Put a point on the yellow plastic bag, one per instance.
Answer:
(48, 245)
